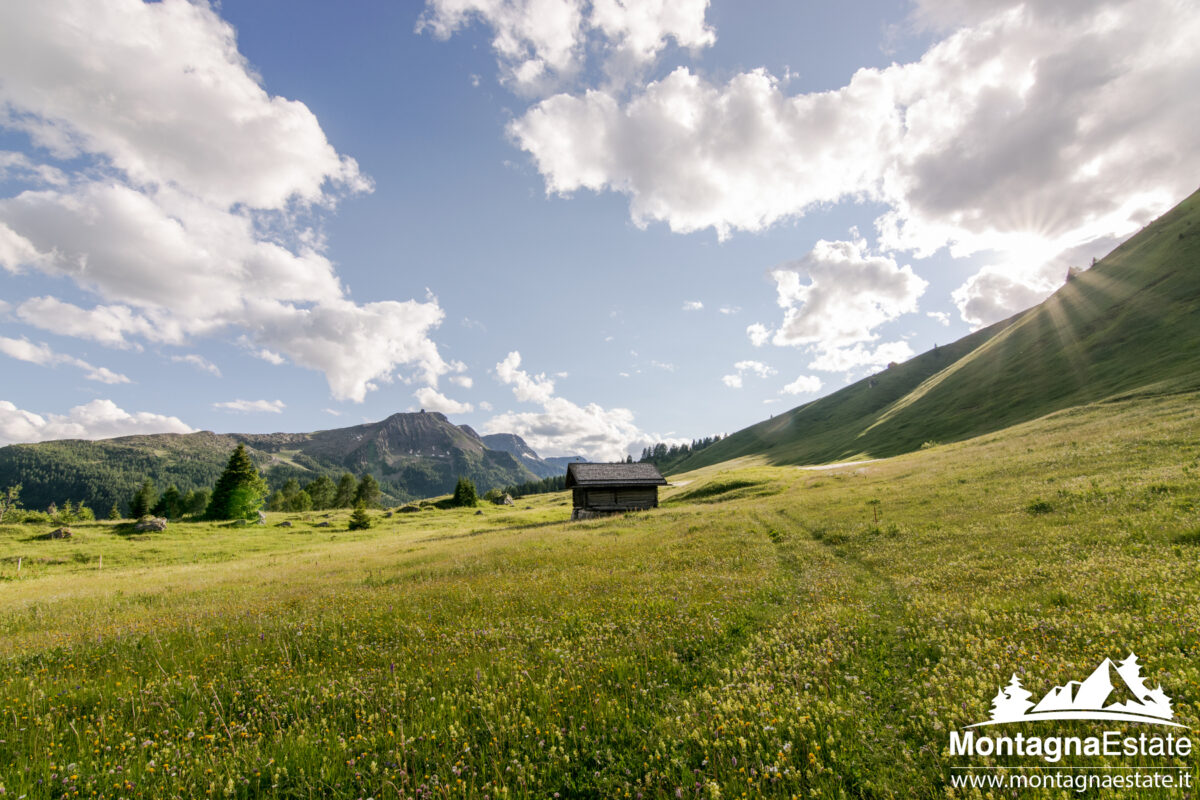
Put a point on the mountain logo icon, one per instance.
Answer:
(1111, 692)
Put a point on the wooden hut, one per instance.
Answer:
(612, 488)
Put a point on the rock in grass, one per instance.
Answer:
(150, 524)
(59, 533)
(287, 523)
(323, 525)
(262, 518)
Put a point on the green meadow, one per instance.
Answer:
(769, 631)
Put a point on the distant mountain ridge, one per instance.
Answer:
(516, 446)
(1127, 326)
(412, 454)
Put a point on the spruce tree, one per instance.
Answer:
(198, 504)
(367, 492)
(464, 493)
(144, 500)
(346, 489)
(322, 491)
(170, 505)
(277, 501)
(239, 492)
(360, 520)
(300, 501)
(114, 513)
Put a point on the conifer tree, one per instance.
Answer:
(144, 500)
(464, 493)
(170, 505)
(360, 520)
(322, 491)
(198, 503)
(300, 501)
(114, 513)
(277, 501)
(367, 492)
(346, 489)
(239, 492)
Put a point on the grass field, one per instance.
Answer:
(758, 635)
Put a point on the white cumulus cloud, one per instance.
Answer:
(848, 294)
(99, 419)
(252, 406)
(433, 400)
(527, 388)
(543, 43)
(44, 355)
(185, 213)
(199, 362)
(161, 91)
(845, 359)
(562, 427)
(1030, 129)
(735, 380)
(805, 384)
(108, 325)
(757, 367)
(759, 334)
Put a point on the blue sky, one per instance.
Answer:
(594, 223)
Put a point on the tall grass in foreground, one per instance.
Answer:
(758, 635)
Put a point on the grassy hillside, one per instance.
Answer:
(758, 635)
(1126, 326)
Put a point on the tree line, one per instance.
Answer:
(664, 456)
(555, 483)
(239, 493)
(322, 493)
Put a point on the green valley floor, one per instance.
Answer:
(769, 631)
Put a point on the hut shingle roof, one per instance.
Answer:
(615, 474)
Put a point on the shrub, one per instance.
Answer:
(1039, 506)
(1191, 537)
